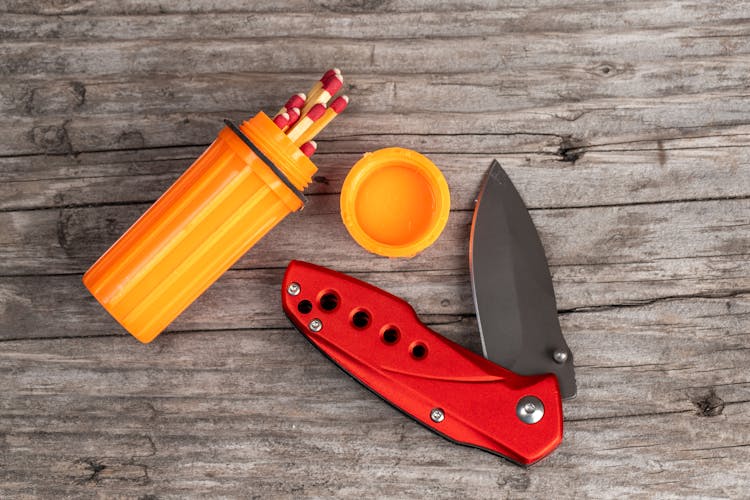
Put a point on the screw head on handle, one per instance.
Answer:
(315, 325)
(530, 409)
(437, 415)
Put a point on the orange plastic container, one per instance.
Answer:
(244, 184)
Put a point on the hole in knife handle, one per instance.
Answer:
(418, 350)
(305, 306)
(390, 335)
(328, 300)
(360, 319)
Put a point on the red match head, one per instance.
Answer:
(316, 111)
(339, 104)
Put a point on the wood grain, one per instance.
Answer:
(625, 127)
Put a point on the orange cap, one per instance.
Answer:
(395, 202)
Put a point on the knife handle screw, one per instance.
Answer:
(560, 356)
(293, 289)
(437, 415)
(315, 325)
(530, 409)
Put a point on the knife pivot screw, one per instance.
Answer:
(293, 289)
(530, 409)
(437, 415)
(560, 356)
(315, 325)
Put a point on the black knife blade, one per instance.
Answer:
(512, 286)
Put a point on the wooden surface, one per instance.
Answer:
(624, 125)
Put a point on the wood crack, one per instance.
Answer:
(456, 210)
(648, 302)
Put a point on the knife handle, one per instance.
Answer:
(377, 339)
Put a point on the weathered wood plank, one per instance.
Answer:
(78, 7)
(518, 130)
(716, 166)
(212, 412)
(68, 240)
(540, 15)
(499, 52)
(59, 306)
(466, 92)
(436, 20)
(653, 345)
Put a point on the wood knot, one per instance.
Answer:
(52, 139)
(606, 70)
(93, 467)
(570, 149)
(708, 404)
(62, 97)
(131, 139)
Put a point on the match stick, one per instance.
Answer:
(304, 123)
(327, 90)
(281, 120)
(293, 117)
(337, 106)
(309, 148)
(296, 101)
(323, 79)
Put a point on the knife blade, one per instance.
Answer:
(512, 286)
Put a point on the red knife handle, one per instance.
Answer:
(377, 339)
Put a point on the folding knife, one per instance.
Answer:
(377, 339)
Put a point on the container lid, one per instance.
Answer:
(395, 202)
